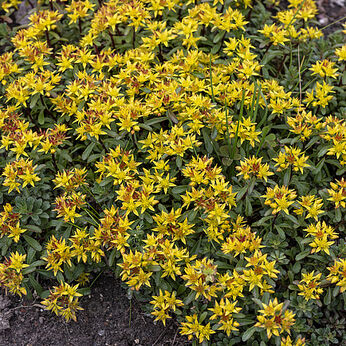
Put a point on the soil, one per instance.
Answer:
(107, 319)
(330, 12)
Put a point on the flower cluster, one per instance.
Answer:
(163, 303)
(279, 198)
(274, 319)
(253, 167)
(63, 301)
(308, 286)
(10, 223)
(311, 205)
(321, 234)
(337, 193)
(193, 328)
(11, 276)
(20, 173)
(337, 274)
(291, 157)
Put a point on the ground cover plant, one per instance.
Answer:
(195, 148)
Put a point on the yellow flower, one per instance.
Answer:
(223, 313)
(308, 286)
(63, 301)
(321, 233)
(341, 53)
(163, 303)
(291, 157)
(324, 68)
(312, 205)
(338, 193)
(274, 320)
(337, 273)
(11, 276)
(17, 260)
(253, 167)
(279, 198)
(193, 328)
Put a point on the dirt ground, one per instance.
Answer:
(331, 11)
(105, 320)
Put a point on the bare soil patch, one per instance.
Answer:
(105, 320)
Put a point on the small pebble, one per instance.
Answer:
(101, 332)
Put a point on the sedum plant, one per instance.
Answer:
(194, 148)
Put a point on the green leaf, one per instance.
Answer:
(34, 100)
(248, 206)
(60, 277)
(336, 291)
(36, 286)
(296, 267)
(216, 48)
(44, 294)
(33, 228)
(179, 161)
(328, 297)
(241, 193)
(88, 151)
(218, 37)
(292, 218)
(171, 116)
(323, 151)
(41, 117)
(145, 127)
(84, 291)
(302, 255)
(33, 243)
(207, 141)
(258, 302)
(32, 266)
(248, 333)
(338, 215)
(318, 167)
(280, 232)
(189, 298)
(155, 121)
(112, 257)
(180, 189)
(287, 177)
(203, 316)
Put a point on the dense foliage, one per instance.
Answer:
(195, 148)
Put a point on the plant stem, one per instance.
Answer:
(103, 145)
(275, 217)
(282, 64)
(222, 39)
(266, 51)
(130, 313)
(28, 112)
(80, 26)
(160, 56)
(46, 108)
(54, 163)
(48, 39)
(112, 39)
(134, 38)
(96, 279)
(211, 80)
